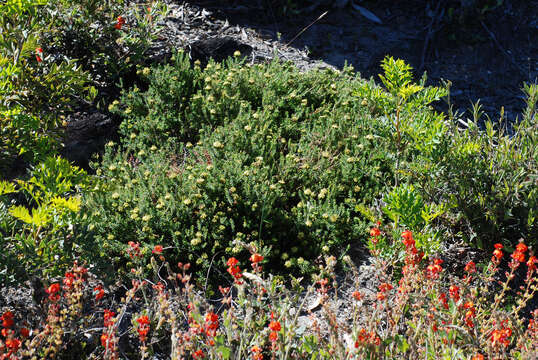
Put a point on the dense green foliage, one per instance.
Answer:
(295, 165)
(260, 154)
(44, 77)
(53, 56)
(33, 92)
(488, 178)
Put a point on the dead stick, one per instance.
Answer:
(492, 35)
(306, 28)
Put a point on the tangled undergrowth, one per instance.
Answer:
(427, 313)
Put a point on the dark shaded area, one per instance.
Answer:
(487, 54)
(86, 134)
(217, 48)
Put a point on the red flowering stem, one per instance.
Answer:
(307, 296)
(497, 302)
(530, 290)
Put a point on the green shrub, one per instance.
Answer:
(487, 178)
(108, 38)
(36, 220)
(35, 89)
(257, 154)
(42, 78)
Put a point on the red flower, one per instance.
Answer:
(256, 258)
(375, 232)
(25, 332)
(234, 270)
(198, 354)
(108, 318)
(134, 249)
(212, 323)
(518, 256)
(478, 357)
(521, 247)
(13, 345)
(407, 235)
(497, 254)
(531, 263)
(470, 267)
(69, 279)
(158, 249)
(275, 325)
(232, 262)
(443, 301)
(273, 336)
(52, 290)
(143, 327)
(454, 292)
(104, 340)
(7, 319)
(500, 336)
(120, 22)
(408, 238)
(256, 352)
(498, 246)
(385, 287)
(434, 269)
(99, 292)
(159, 287)
(471, 311)
(361, 337)
(143, 320)
(356, 295)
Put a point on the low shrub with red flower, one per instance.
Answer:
(158, 250)
(143, 328)
(446, 308)
(53, 291)
(7, 319)
(120, 21)
(233, 269)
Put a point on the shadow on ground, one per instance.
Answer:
(486, 57)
